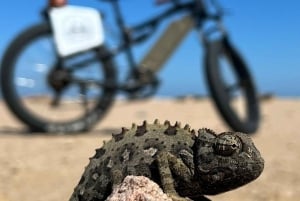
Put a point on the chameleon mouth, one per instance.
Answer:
(222, 175)
(221, 180)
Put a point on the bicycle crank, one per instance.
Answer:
(141, 85)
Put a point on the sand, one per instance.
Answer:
(47, 168)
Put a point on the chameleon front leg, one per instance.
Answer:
(116, 176)
(168, 163)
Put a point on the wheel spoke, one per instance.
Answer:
(233, 87)
(83, 97)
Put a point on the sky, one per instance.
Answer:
(267, 33)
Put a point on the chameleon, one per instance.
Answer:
(187, 164)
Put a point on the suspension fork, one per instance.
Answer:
(126, 38)
(201, 15)
(206, 35)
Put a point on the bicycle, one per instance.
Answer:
(75, 71)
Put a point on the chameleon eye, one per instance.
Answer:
(227, 144)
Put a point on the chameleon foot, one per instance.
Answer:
(176, 197)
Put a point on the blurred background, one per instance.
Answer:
(266, 33)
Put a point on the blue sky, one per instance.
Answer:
(266, 32)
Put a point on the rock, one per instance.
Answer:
(138, 188)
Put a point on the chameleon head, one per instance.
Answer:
(226, 161)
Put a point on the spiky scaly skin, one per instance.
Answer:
(182, 163)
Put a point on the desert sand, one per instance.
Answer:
(47, 167)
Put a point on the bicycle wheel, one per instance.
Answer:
(231, 86)
(49, 94)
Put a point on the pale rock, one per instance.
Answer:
(138, 188)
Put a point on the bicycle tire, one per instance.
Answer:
(33, 121)
(218, 89)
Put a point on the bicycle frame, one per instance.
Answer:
(195, 8)
(131, 36)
